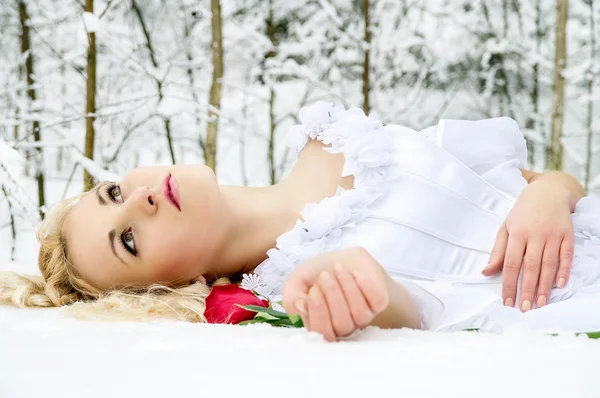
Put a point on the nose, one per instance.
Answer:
(141, 200)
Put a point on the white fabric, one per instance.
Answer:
(428, 206)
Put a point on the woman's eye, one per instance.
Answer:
(129, 241)
(115, 194)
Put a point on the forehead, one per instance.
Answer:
(86, 230)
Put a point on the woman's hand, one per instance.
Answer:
(538, 237)
(337, 293)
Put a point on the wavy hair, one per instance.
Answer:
(59, 285)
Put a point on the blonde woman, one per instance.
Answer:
(376, 224)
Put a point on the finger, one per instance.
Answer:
(318, 314)
(301, 307)
(531, 272)
(567, 250)
(376, 296)
(496, 260)
(341, 320)
(513, 261)
(295, 294)
(548, 272)
(359, 309)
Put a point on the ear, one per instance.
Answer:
(200, 279)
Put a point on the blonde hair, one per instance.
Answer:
(59, 285)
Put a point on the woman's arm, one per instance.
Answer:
(563, 182)
(401, 312)
(339, 292)
(536, 240)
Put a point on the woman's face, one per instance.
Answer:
(159, 224)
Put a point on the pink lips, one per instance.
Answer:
(171, 191)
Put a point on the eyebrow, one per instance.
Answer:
(111, 240)
(101, 200)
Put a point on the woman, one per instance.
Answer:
(395, 230)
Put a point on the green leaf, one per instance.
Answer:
(296, 321)
(272, 317)
(282, 322)
(250, 322)
(265, 316)
(270, 311)
(593, 335)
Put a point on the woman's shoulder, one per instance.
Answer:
(368, 149)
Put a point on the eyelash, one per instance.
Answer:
(109, 189)
(124, 245)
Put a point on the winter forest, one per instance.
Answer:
(92, 88)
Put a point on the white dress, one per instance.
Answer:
(428, 205)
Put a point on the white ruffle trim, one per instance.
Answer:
(368, 150)
(585, 271)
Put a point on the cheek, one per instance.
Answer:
(175, 260)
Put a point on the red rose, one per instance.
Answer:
(222, 304)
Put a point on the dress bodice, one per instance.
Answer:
(437, 219)
(415, 206)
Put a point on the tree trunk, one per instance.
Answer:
(159, 84)
(555, 157)
(214, 99)
(367, 58)
(590, 89)
(243, 130)
(13, 229)
(90, 102)
(533, 121)
(271, 35)
(27, 51)
(272, 126)
(192, 80)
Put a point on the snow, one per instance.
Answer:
(92, 22)
(49, 354)
(427, 61)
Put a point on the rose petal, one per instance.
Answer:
(223, 304)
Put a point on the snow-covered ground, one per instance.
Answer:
(44, 353)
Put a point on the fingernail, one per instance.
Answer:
(339, 268)
(325, 276)
(561, 283)
(509, 302)
(301, 306)
(525, 306)
(315, 296)
(541, 301)
(357, 275)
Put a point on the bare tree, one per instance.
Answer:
(555, 157)
(367, 58)
(590, 90)
(187, 39)
(533, 121)
(27, 52)
(13, 229)
(270, 22)
(90, 101)
(159, 83)
(214, 99)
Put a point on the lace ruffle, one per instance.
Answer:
(368, 150)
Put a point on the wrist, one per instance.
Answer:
(561, 184)
(556, 190)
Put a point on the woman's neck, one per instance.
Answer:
(255, 217)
